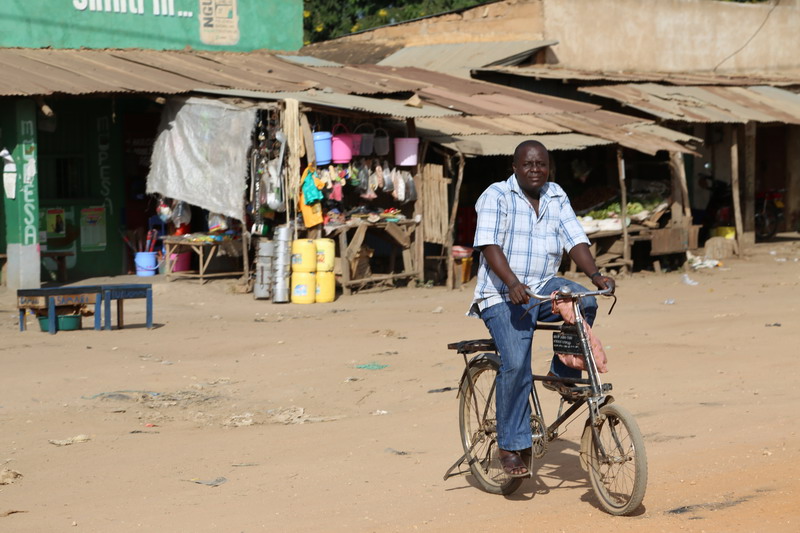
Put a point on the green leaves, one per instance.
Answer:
(328, 19)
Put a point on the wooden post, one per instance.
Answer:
(749, 222)
(678, 171)
(626, 240)
(737, 209)
(452, 223)
(419, 212)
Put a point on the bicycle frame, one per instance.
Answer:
(596, 396)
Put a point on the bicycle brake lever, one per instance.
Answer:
(528, 309)
(613, 304)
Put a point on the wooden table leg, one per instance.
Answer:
(52, 317)
(345, 263)
(107, 308)
(149, 308)
(120, 321)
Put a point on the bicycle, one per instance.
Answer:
(612, 448)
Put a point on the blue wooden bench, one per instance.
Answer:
(124, 292)
(49, 299)
(99, 295)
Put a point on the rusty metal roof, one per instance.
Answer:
(459, 58)
(706, 104)
(338, 101)
(478, 145)
(552, 72)
(28, 72)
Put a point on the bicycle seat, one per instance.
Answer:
(477, 345)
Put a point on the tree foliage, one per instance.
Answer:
(328, 19)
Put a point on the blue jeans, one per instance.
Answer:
(513, 336)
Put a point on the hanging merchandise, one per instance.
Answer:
(381, 142)
(275, 170)
(388, 184)
(310, 196)
(181, 213)
(399, 193)
(322, 147)
(411, 187)
(405, 151)
(342, 145)
(217, 223)
(367, 132)
(164, 211)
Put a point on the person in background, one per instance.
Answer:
(524, 225)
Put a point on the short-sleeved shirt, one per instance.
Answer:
(533, 245)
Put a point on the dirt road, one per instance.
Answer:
(242, 415)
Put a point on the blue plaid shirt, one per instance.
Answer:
(532, 245)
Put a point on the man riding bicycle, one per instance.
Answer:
(524, 225)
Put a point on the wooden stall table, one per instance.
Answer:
(52, 298)
(205, 251)
(60, 258)
(121, 292)
(400, 233)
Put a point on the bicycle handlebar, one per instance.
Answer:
(565, 293)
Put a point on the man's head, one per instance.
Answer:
(531, 166)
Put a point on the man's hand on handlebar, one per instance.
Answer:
(605, 282)
(518, 293)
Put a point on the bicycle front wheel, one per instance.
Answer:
(617, 462)
(478, 424)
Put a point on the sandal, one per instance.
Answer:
(511, 461)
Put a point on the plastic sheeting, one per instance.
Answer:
(200, 154)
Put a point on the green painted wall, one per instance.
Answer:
(18, 136)
(239, 25)
(80, 168)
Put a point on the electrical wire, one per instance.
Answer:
(777, 2)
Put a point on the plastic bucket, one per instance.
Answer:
(63, 323)
(304, 288)
(322, 147)
(326, 287)
(304, 256)
(326, 251)
(367, 138)
(405, 151)
(146, 264)
(342, 145)
(182, 261)
(381, 142)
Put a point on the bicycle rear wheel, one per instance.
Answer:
(618, 463)
(478, 425)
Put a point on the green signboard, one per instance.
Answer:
(238, 25)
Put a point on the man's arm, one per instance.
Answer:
(499, 264)
(583, 259)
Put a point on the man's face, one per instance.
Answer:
(532, 168)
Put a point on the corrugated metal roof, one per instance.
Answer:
(551, 72)
(375, 106)
(309, 61)
(28, 72)
(477, 145)
(459, 58)
(706, 104)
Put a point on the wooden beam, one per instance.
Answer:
(451, 225)
(749, 222)
(623, 190)
(737, 204)
(397, 233)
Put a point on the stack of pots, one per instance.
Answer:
(282, 263)
(265, 255)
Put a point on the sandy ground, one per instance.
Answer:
(269, 397)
